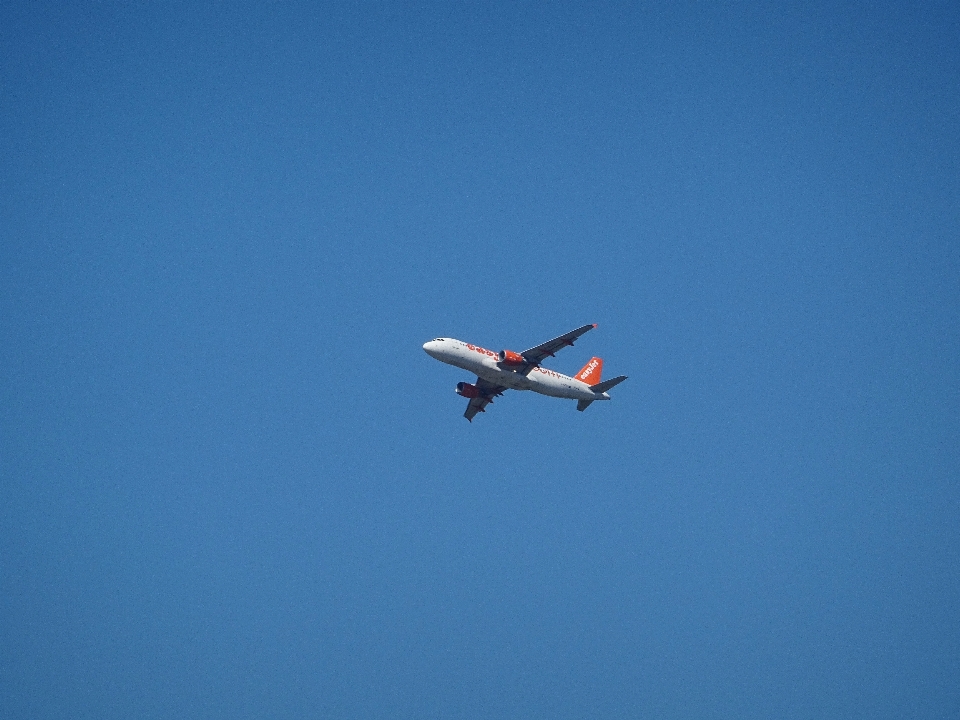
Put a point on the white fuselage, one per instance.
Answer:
(484, 363)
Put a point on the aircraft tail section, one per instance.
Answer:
(590, 373)
(607, 384)
(599, 388)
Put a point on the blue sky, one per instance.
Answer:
(233, 485)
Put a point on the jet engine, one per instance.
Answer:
(467, 390)
(511, 359)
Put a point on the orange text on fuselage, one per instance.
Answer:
(490, 353)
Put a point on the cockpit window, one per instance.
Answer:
(439, 340)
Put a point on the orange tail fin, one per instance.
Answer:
(590, 373)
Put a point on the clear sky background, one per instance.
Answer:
(233, 484)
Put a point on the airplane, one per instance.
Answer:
(506, 369)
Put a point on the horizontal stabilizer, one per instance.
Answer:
(583, 404)
(607, 384)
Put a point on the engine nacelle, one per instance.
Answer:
(510, 358)
(467, 390)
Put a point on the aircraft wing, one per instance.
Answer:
(537, 355)
(488, 391)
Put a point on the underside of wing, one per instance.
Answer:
(488, 391)
(538, 354)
